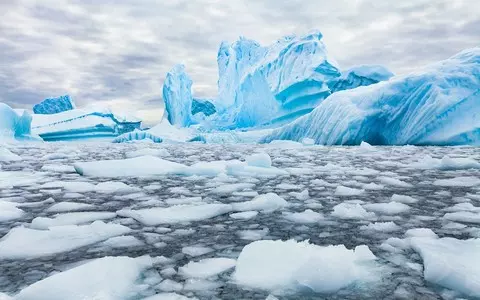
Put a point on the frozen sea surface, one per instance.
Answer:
(408, 219)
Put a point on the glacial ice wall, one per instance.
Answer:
(362, 75)
(436, 105)
(54, 105)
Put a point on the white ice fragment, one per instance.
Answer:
(73, 218)
(246, 215)
(462, 181)
(290, 265)
(21, 242)
(265, 203)
(346, 191)
(196, 250)
(389, 208)
(176, 214)
(261, 160)
(206, 268)
(351, 211)
(306, 217)
(103, 278)
(381, 226)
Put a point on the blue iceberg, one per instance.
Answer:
(177, 95)
(203, 106)
(359, 76)
(14, 124)
(264, 86)
(80, 124)
(54, 105)
(437, 105)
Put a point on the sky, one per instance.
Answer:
(116, 52)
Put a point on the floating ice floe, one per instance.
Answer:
(351, 211)
(288, 265)
(152, 166)
(306, 217)
(21, 242)
(206, 268)
(446, 163)
(462, 181)
(72, 218)
(103, 278)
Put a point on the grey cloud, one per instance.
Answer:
(111, 51)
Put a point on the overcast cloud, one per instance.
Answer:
(117, 52)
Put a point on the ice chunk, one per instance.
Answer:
(51, 106)
(168, 296)
(21, 242)
(206, 268)
(306, 217)
(421, 232)
(103, 278)
(451, 263)
(394, 182)
(246, 215)
(261, 160)
(111, 187)
(265, 203)
(403, 199)
(69, 206)
(462, 181)
(148, 152)
(290, 265)
(176, 214)
(463, 217)
(7, 156)
(196, 250)
(177, 95)
(73, 218)
(124, 241)
(446, 163)
(346, 191)
(9, 211)
(390, 208)
(14, 125)
(351, 211)
(436, 105)
(381, 226)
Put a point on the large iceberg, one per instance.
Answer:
(360, 76)
(79, 124)
(437, 105)
(177, 95)
(270, 85)
(54, 105)
(14, 124)
(203, 106)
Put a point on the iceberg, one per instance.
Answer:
(177, 95)
(79, 124)
(54, 105)
(203, 106)
(14, 124)
(270, 85)
(162, 132)
(436, 105)
(360, 76)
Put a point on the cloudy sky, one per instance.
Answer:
(116, 52)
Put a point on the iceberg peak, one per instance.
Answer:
(177, 94)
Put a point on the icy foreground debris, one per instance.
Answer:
(103, 278)
(56, 105)
(452, 263)
(14, 125)
(290, 265)
(207, 267)
(437, 105)
(152, 166)
(21, 242)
